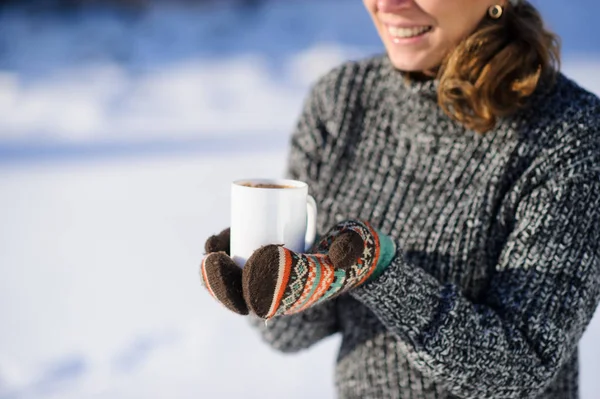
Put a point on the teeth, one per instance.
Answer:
(408, 32)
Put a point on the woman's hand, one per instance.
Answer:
(276, 281)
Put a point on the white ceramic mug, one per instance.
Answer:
(260, 216)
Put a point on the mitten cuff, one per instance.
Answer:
(387, 252)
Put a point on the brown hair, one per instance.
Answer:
(492, 72)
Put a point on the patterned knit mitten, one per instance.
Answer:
(221, 276)
(277, 281)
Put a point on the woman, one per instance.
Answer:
(459, 175)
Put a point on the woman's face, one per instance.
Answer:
(417, 34)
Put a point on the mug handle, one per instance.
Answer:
(311, 223)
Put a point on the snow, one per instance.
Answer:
(103, 299)
(119, 135)
(171, 73)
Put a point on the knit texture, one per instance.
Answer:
(277, 281)
(497, 270)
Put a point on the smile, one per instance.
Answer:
(406, 33)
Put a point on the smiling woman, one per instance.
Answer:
(486, 66)
(458, 184)
(419, 35)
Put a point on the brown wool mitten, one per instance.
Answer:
(277, 281)
(221, 276)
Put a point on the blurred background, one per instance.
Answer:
(121, 125)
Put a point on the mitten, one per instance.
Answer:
(277, 281)
(221, 276)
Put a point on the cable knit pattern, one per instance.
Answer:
(497, 272)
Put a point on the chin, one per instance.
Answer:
(412, 62)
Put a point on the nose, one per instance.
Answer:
(392, 5)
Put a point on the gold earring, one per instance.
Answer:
(495, 12)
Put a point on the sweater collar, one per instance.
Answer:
(415, 101)
(401, 82)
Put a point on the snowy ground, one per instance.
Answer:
(118, 138)
(168, 74)
(99, 289)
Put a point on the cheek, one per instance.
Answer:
(370, 5)
(455, 19)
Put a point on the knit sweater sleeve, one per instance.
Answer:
(300, 331)
(541, 296)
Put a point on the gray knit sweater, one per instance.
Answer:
(498, 269)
